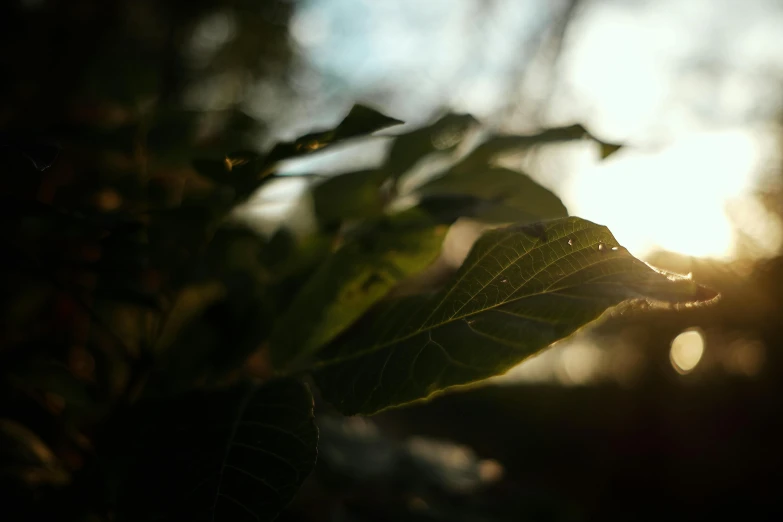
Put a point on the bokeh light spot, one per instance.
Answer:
(687, 350)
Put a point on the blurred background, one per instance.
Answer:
(673, 413)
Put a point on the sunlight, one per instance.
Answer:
(282, 200)
(674, 200)
(687, 350)
(580, 363)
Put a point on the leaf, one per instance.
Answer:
(351, 280)
(237, 454)
(126, 292)
(520, 290)
(443, 135)
(514, 196)
(243, 171)
(40, 154)
(497, 145)
(361, 121)
(354, 195)
(26, 459)
(190, 303)
(447, 208)
(607, 149)
(176, 235)
(51, 376)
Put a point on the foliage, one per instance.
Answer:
(155, 351)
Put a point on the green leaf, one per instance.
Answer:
(237, 454)
(351, 280)
(443, 135)
(361, 121)
(521, 289)
(514, 196)
(354, 195)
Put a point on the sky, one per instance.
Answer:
(691, 87)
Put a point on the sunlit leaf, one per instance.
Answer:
(520, 290)
(353, 279)
(236, 454)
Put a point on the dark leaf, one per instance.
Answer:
(40, 154)
(447, 208)
(443, 135)
(361, 121)
(172, 134)
(495, 146)
(607, 149)
(177, 235)
(354, 195)
(244, 171)
(510, 195)
(49, 376)
(126, 292)
(520, 290)
(353, 279)
(210, 331)
(237, 454)
(26, 460)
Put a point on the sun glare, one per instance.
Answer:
(673, 200)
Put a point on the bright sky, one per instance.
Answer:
(688, 85)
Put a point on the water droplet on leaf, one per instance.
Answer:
(601, 247)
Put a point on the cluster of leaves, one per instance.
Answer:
(154, 350)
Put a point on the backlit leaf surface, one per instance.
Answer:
(520, 289)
